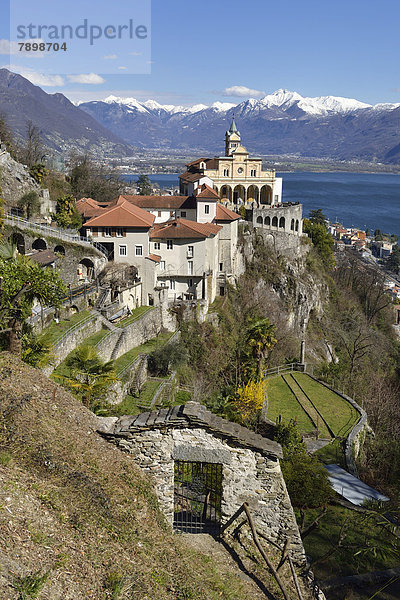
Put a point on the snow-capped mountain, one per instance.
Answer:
(283, 122)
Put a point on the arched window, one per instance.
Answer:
(297, 225)
(259, 220)
(282, 223)
(292, 225)
(275, 222)
(267, 221)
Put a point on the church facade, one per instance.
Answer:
(236, 177)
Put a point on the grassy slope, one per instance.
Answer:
(339, 414)
(55, 330)
(281, 401)
(77, 508)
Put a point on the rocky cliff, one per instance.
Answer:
(15, 180)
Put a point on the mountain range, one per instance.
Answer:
(63, 125)
(282, 123)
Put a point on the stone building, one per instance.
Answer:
(236, 177)
(204, 468)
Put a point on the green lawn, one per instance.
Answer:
(281, 401)
(97, 337)
(136, 314)
(55, 330)
(306, 403)
(339, 414)
(145, 348)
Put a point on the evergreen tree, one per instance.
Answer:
(144, 185)
(317, 216)
(30, 204)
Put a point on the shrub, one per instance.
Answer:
(171, 356)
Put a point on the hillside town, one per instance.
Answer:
(142, 297)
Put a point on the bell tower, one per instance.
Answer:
(232, 138)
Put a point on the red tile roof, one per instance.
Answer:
(89, 208)
(154, 258)
(197, 162)
(184, 229)
(162, 202)
(207, 192)
(191, 177)
(224, 214)
(122, 214)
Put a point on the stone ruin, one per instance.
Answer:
(205, 467)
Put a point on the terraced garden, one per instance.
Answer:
(312, 405)
(55, 331)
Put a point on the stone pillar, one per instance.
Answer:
(302, 352)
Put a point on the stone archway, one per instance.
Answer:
(39, 244)
(266, 195)
(19, 241)
(253, 194)
(59, 250)
(86, 269)
(239, 194)
(226, 193)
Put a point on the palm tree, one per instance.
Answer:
(90, 377)
(261, 338)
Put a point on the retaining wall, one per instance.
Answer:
(71, 341)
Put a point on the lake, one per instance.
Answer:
(365, 200)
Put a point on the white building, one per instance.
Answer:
(189, 258)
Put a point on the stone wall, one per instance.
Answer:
(67, 263)
(285, 235)
(144, 329)
(72, 340)
(248, 476)
(131, 382)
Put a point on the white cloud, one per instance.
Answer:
(242, 91)
(89, 78)
(110, 57)
(13, 48)
(122, 68)
(41, 79)
(136, 53)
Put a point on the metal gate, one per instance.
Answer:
(197, 497)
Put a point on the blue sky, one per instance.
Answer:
(205, 51)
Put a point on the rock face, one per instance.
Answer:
(15, 180)
(191, 434)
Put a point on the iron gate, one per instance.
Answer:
(197, 497)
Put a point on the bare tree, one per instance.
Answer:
(33, 151)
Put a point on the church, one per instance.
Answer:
(237, 178)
